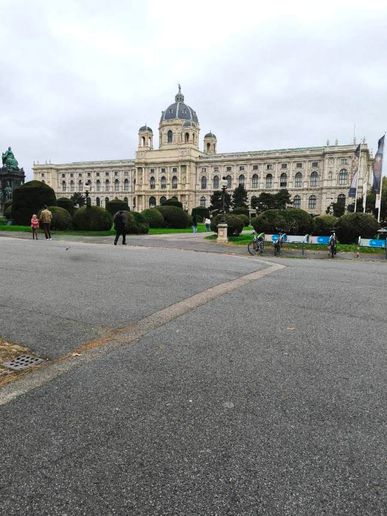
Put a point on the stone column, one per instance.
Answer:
(222, 233)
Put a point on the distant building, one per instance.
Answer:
(314, 176)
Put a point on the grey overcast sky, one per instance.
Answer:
(79, 77)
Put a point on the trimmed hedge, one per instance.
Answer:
(293, 221)
(137, 223)
(323, 224)
(172, 202)
(67, 204)
(92, 218)
(240, 211)
(154, 217)
(116, 205)
(234, 224)
(244, 218)
(352, 225)
(201, 213)
(61, 218)
(174, 217)
(30, 198)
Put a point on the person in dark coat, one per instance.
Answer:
(120, 220)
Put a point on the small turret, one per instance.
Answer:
(210, 143)
(145, 138)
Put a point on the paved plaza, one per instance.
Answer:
(203, 382)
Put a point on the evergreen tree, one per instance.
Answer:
(266, 201)
(217, 201)
(78, 199)
(239, 197)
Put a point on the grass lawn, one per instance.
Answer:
(152, 231)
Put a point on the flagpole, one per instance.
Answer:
(357, 180)
(380, 190)
(365, 190)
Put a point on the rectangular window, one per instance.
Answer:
(63, 175)
(255, 167)
(116, 173)
(284, 165)
(228, 169)
(314, 164)
(204, 169)
(163, 170)
(343, 161)
(174, 170)
(298, 165)
(71, 175)
(152, 171)
(241, 168)
(106, 173)
(97, 174)
(216, 169)
(269, 166)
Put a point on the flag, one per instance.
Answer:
(378, 166)
(355, 172)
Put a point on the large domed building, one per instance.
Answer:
(314, 176)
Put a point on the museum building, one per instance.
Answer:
(314, 176)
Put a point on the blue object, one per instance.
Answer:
(377, 243)
(323, 240)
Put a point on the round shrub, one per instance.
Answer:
(234, 224)
(201, 213)
(153, 217)
(140, 222)
(244, 218)
(241, 211)
(323, 224)
(173, 201)
(117, 205)
(92, 218)
(67, 204)
(292, 220)
(61, 218)
(352, 225)
(174, 217)
(30, 198)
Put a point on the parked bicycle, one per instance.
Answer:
(257, 245)
(332, 245)
(277, 244)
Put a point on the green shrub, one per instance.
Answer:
(153, 217)
(244, 218)
(7, 204)
(323, 224)
(140, 222)
(174, 217)
(61, 218)
(352, 225)
(234, 224)
(92, 218)
(201, 213)
(172, 202)
(117, 205)
(293, 221)
(30, 198)
(240, 211)
(67, 204)
(8, 212)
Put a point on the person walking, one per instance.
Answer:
(34, 226)
(45, 219)
(120, 220)
(194, 224)
(207, 223)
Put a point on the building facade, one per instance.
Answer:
(315, 177)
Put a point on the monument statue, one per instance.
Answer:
(9, 160)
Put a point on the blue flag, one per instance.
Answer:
(355, 172)
(378, 166)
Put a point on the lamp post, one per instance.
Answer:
(222, 227)
(87, 199)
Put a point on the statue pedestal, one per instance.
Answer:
(222, 233)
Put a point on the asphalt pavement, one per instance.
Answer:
(267, 399)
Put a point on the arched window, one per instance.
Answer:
(163, 182)
(152, 183)
(126, 199)
(343, 177)
(269, 181)
(254, 181)
(126, 184)
(229, 181)
(313, 179)
(204, 183)
(297, 201)
(98, 185)
(71, 186)
(162, 199)
(143, 141)
(80, 186)
(63, 186)
(174, 182)
(98, 201)
(312, 202)
(116, 185)
(208, 147)
(107, 185)
(106, 200)
(152, 202)
(186, 137)
(203, 202)
(283, 180)
(341, 199)
(298, 180)
(169, 136)
(215, 183)
(241, 180)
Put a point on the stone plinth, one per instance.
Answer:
(222, 233)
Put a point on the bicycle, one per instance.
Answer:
(277, 244)
(257, 245)
(332, 248)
